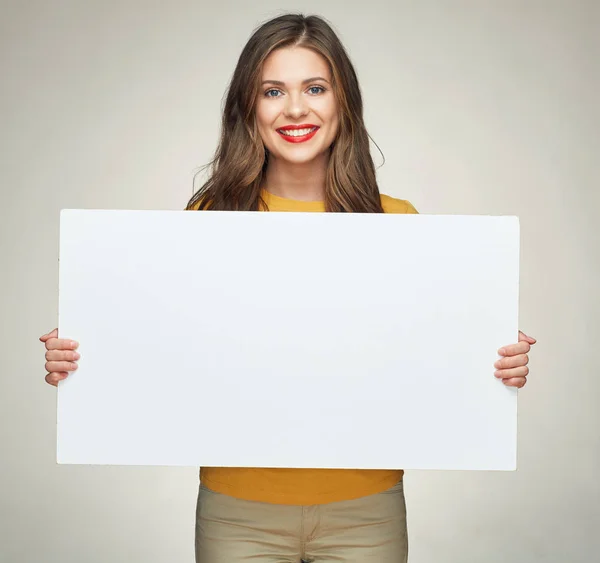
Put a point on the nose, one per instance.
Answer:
(295, 106)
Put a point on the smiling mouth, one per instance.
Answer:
(298, 135)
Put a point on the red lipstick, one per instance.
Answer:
(298, 138)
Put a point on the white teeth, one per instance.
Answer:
(297, 132)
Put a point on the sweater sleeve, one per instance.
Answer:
(410, 208)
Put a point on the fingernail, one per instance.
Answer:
(74, 345)
(497, 373)
(497, 364)
(502, 351)
(76, 356)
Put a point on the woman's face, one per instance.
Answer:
(296, 90)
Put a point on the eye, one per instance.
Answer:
(318, 88)
(271, 90)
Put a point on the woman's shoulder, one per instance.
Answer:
(394, 205)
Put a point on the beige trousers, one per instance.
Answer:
(368, 529)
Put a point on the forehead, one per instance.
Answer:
(294, 64)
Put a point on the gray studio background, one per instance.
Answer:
(485, 107)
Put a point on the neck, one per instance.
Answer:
(303, 182)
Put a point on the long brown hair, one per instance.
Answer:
(237, 169)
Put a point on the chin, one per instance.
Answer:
(298, 157)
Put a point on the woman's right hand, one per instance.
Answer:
(61, 357)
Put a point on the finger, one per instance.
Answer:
(515, 382)
(55, 377)
(63, 356)
(52, 334)
(515, 349)
(524, 337)
(511, 361)
(522, 371)
(61, 344)
(60, 366)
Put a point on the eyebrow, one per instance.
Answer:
(306, 81)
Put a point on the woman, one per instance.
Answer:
(293, 139)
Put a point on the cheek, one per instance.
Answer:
(260, 117)
(331, 113)
(336, 122)
(265, 115)
(263, 124)
(335, 126)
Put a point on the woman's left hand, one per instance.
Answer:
(512, 367)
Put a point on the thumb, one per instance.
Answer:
(524, 337)
(53, 334)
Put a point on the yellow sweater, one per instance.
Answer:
(303, 486)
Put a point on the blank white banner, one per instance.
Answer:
(322, 340)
